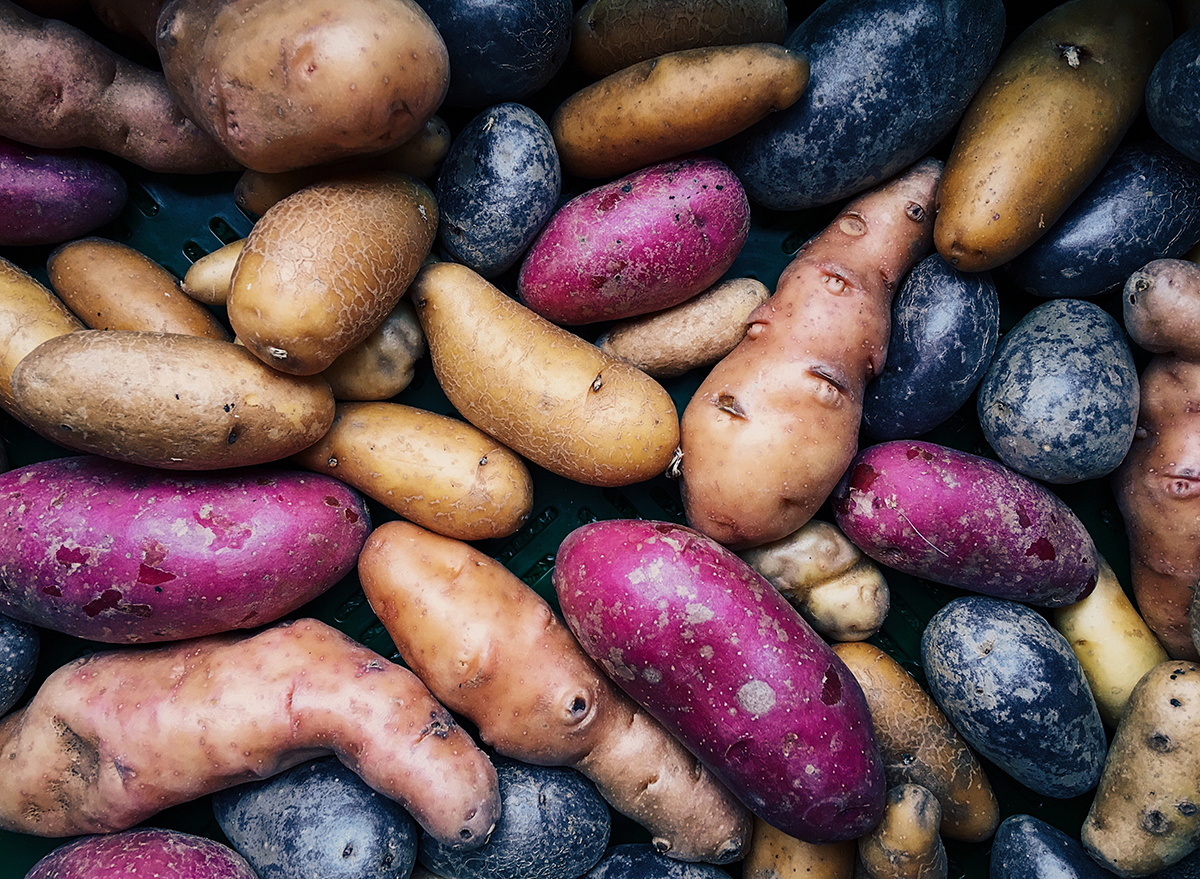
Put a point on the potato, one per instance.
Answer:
(1043, 124)
(674, 104)
(493, 650)
(1172, 88)
(111, 739)
(436, 471)
(639, 860)
(384, 363)
(143, 853)
(284, 85)
(207, 279)
(166, 400)
(905, 844)
(324, 266)
(1026, 847)
(775, 855)
(775, 423)
(112, 286)
(122, 554)
(695, 333)
(20, 647)
(541, 390)
(1161, 307)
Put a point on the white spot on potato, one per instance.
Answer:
(757, 697)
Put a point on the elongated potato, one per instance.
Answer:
(1040, 128)
(541, 390)
(207, 279)
(905, 844)
(167, 400)
(674, 104)
(112, 286)
(29, 315)
(493, 650)
(324, 266)
(775, 855)
(438, 472)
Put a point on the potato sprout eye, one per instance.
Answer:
(835, 284)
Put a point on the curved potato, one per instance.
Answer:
(166, 400)
(905, 844)
(383, 364)
(207, 279)
(436, 471)
(541, 390)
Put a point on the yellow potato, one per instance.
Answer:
(29, 315)
(674, 104)
(207, 279)
(383, 364)
(775, 855)
(541, 390)
(112, 286)
(165, 400)
(905, 844)
(435, 471)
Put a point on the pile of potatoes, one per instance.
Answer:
(647, 437)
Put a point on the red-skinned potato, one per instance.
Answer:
(775, 423)
(142, 853)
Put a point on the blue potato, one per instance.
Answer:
(888, 80)
(318, 819)
(1145, 205)
(1014, 689)
(1059, 401)
(1173, 94)
(501, 51)
(945, 324)
(1026, 847)
(640, 860)
(20, 645)
(553, 825)
(498, 185)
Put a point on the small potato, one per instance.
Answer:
(1161, 308)
(438, 472)
(207, 280)
(695, 333)
(674, 104)
(112, 286)
(29, 315)
(381, 365)
(905, 844)
(775, 855)
(165, 400)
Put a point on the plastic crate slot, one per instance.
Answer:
(620, 503)
(194, 250)
(668, 502)
(538, 570)
(349, 607)
(143, 200)
(527, 534)
(225, 233)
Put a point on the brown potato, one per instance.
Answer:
(112, 286)
(438, 472)
(541, 390)
(674, 104)
(207, 279)
(1050, 113)
(324, 266)
(1161, 307)
(775, 855)
(166, 400)
(29, 315)
(383, 364)
(905, 844)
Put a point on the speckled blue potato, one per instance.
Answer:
(318, 820)
(1173, 94)
(945, 324)
(553, 825)
(639, 860)
(1026, 847)
(1014, 689)
(888, 79)
(20, 645)
(1145, 205)
(1059, 401)
(497, 187)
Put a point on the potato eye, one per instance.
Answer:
(835, 284)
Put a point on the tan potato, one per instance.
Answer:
(1049, 114)
(673, 104)
(1144, 815)
(112, 286)
(775, 855)
(920, 745)
(905, 844)
(166, 400)
(324, 266)
(29, 315)
(207, 279)
(835, 586)
(693, 334)
(1113, 643)
(438, 472)
(609, 35)
(383, 364)
(1161, 307)
(541, 390)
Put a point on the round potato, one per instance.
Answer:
(383, 364)
(165, 400)
(29, 315)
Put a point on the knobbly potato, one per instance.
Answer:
(905, 844)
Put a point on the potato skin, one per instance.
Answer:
(1044, 122)
(674, 104)
(775, 855)
(438, 472)
(905, 844)
(1161, 307)
(143, 853)
(166, 400)
(207, 279)
(384, 363)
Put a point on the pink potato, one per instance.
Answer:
(637, 244)
(119, 553)
(143, 853)
(720, 658)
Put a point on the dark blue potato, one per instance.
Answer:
(1014, 689)
(1173, 94)
(501, 51)
(553, 825)
(318, 819)
(945, 324)
(1059, 401)
(639, 860)
(888, 80)
(1145, 205)
(20, 644)
(1026, 847)
(498, 185)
